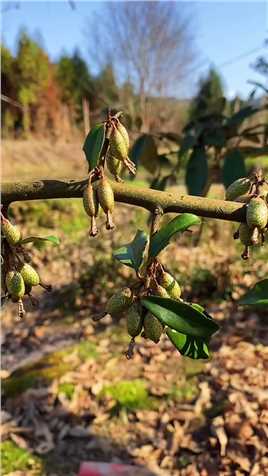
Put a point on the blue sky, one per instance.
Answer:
(223, 32)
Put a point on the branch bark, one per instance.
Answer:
(149, 199)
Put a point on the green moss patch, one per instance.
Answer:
(128, 394)
(50, 367)
(14, 458)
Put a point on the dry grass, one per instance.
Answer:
(35, 159)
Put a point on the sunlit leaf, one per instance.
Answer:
(38, 239)
(180, 316)
(179, 224)
(192, 347)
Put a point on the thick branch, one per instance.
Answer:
(129, 194)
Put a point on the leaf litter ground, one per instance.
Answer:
(69, 391)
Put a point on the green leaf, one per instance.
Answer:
(38, 239)
(144, 152)
(215, 138)
(193, 347)
(197, 171)
(179, 224)
(244, 113)
(188, 142)
(257, 296)
(132, 253)
(93, 145)
(160, 183)
(180, 316)
(233, 167)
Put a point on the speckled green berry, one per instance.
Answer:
(159, 290)
(166, 280)
(175, 290)
(134, 321)
(90, 201)
(15, 284)
(152, 328)
(118, 146)
(10, 232)
(124, 133)
(119, 302)
(257, 213)
(248, 236)
(237, 188)
(30, 276)
(114, 166)
(105, 195)
(106, 199)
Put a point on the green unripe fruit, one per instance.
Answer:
(124, 133)
(119, 302)
(152, 328)
(237, 188)
(29, 275)
(257, 213)
(11, 232)
(134, 321)
(118, 146)
(105, 195)
(159, 290)
(248, 236)
(15, 284)
(166, 280)
(90, 201)
(115, 166)
(175, 291)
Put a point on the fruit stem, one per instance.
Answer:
(130, 351)
(245, 254)
(109, 222)
(47, 287)
(93, 228)
(21, 310)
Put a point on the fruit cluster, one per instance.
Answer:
(127, 302)
(99, 190)
(254, 193)
(19, 277)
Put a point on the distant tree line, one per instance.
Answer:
(44, 97)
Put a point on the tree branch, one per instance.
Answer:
(129, 194)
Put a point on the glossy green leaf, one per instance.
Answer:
(132, 254)
(144, 152)
(179, 224)
(197, 171)
(93, 145)
(233, 167)
(38, 239)
(257, 296)
(192, 347)
(180, 316)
